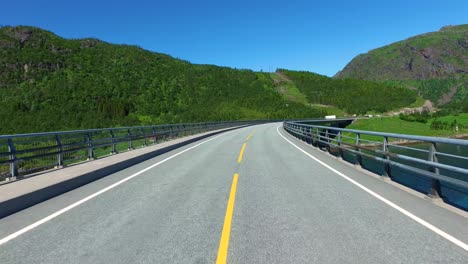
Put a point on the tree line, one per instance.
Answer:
(354, 96)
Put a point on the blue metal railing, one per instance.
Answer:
(428, 159)
(23, 154)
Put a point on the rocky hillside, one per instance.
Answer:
(439, 54)
(435, 64)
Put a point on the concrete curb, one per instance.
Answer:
(16, 204)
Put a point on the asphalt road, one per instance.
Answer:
(281, 207)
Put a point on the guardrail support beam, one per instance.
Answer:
(387, 169)
(114, 147)
(89, 139)
(155, 140)
(59, 151)
(340, 150)
(435, 191)
(13, 162)
(358, 149)
(130, 139)
(145, 143)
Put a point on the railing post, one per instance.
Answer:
(90, 146)
(59, 151)
(387, 169)
(114, 147)
(13, 162)
(358, 149)
(155, 140)
(435, 191)
(340, 151)
(164, 134)
(327, 147)
(317, 137)
(171, 133)
(145, 143)
(130, 143)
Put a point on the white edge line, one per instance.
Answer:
(68, 208)
(401, 210)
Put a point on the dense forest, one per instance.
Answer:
(354, 96)
(448, 93)
(50, 83)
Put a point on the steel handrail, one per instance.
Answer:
(454, 141)
(37, 151)
(332, 137)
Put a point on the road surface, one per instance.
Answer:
(246, 196)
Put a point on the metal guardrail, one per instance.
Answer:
(24, 154)
(425, 162)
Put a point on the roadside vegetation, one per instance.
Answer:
(353, 96)
(438, 126)
(49, 83)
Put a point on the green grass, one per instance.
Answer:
(289, 90)
(396, 125)
(293, 94)
(331, 110)
(462, 119)
(418, 103)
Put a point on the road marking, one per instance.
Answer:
(401, 210)
(239, 159)
(249, 136)
(224, 242)
(68, 208)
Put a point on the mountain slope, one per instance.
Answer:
(436, 64)
(432, 55)
(50, 83)
(352, 95)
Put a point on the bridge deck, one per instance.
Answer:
(288, 208)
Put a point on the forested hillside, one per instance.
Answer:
(435, 64)
(50, 83)
(354, 96)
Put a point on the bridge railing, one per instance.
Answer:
(403, 158)
(24, 154)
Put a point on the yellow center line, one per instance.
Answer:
(249, 136)
(239, 159)
(224, 242)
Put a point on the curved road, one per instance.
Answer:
(220, 201)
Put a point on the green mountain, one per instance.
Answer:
(49, 83)
(434, 63)
(352, 95)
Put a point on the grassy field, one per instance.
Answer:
(396, 125)
(461, 119)
(290, 92)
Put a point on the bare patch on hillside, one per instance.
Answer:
(446, 98)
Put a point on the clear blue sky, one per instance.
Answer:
(317, 36)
